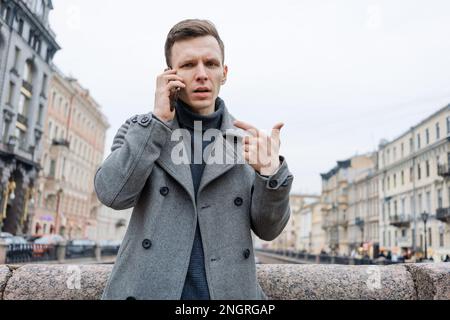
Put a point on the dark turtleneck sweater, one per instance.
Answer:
(196, 284)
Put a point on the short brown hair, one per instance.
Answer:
(188, 29)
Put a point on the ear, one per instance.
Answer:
(225, 74)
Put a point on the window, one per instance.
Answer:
(420, 203)
(17, 56)
(448, 125)
(441, 238)
(395, 180)
(12, 88)
(22, 137)
(20, 29)
(411, 204)
(428, 199)
(403, 178)
(439, 198)
(437, 131)
(52, 168)
(411, 145)
(389, 238)
(40, 114)
(403, 207)
(402, 150)
(411, 174)
(395, 208)
(23, 105)
(430, 237)
(50, 127)
(5, 132)
(418, 172)
(28, 72)
(427, 168)
(395, 153)
(388, 183)
(427, 136)
(44, 85)
(418, 141)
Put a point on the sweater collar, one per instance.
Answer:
(186, 116)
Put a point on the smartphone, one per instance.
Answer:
(174, 96)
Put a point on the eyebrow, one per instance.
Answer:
(194, 59)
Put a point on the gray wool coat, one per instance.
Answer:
(232, 201)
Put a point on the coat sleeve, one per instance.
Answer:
(270, 210)
(136, 146)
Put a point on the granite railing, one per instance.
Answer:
(280, 282)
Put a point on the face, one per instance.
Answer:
(199, 62)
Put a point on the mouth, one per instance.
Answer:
(202, 92)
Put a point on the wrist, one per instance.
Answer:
(270, 170)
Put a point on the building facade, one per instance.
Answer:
(363, 212)
(27, 47)
(414, 183)
(73, 148)
(335, 197)
(112, 224)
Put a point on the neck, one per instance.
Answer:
(203, 111)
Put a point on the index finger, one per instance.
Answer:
(169, 71)
(247, 127)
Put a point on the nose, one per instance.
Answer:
(201, 74)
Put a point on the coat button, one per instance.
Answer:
(131, 298)
(273, 183)
(145, 119)
(146, 244)
(247, 253)
(238, 201)
(164, 191)
(135, 119)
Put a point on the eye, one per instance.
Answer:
(187, 65)
(211, 64)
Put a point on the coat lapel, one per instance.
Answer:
(180, 172)
(226, 139)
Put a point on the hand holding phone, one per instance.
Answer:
(168, 87)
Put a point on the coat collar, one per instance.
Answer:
(228, 135)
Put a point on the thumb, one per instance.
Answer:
(276, 130)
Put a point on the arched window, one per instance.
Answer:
(28, 72)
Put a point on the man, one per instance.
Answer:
(189, 236)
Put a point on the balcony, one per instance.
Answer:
(27, 86)
(400, 221)
(443, 214)
(61, 142)
(22, 119)
(444, 170)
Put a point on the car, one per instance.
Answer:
(50, 239)
(45, 246)
(110, 247)
(15, 240)
(4, 235)
(80, 247)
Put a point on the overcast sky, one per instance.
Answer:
(341, 77)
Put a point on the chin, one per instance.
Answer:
(201, 104)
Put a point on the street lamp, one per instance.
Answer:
(58, 202)
(425, 217)
(360, 223)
